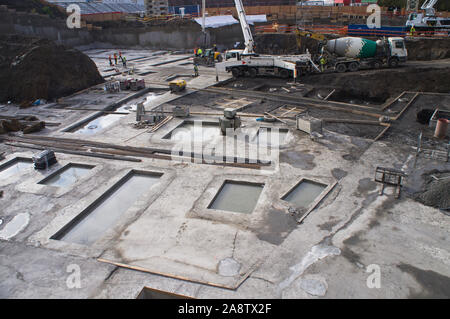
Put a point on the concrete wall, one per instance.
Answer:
(154, 37)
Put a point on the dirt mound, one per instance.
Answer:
(35, 6)
(436, 192)
(382, 84)
(33, 69)
(272, 43)
(428, 49)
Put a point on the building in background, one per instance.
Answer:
(155, 8)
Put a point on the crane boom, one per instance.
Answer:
(248, 36)
(428, 6)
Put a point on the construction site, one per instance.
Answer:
(233, 152)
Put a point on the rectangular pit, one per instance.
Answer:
(101, 121)
(188, 131)
(264, 136)
(67, 175)
(237, 197)
(105, 212)
(304, 193)
(14, 166)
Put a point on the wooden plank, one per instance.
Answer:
(138, 268)
(393, 101)
(161, 124)
(317, 202)
(328, 96)
(277, 118)
(351, 121)
(91, 110)
(57, 150)
(133, 151)
(382, 133)
(407, 106)
(430, 93)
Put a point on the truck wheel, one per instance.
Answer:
(341, 68)
(252, 72)
(376, 65)
(284, 74)
(236, 72)
(393, 63)
(353, 67)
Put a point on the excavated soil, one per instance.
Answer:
(436, 193)
(33, 69)
(381, 84)
(34, 6)
(422, 49)
(428, 49)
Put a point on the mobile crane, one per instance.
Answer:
(247, 63)
(428, 21)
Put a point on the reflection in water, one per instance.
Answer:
(15, 166)
(106, 214)
(195, 132)
(237, 197)
(68, 176)
(100, 123)
(304, 193)
(271, 136)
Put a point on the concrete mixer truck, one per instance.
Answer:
(352, 53)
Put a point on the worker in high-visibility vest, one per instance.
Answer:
(412, 30)
(196, 70)
(200, 52)
(323, 61)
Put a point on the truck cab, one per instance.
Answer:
(233, 55)
(398, 49)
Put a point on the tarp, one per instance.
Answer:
(217, 21)
(220, 21)
(251, 19)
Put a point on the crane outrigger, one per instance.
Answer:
(248, 63)
(428, 21)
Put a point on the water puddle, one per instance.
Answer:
(14, 167)
(304, 193)
(67, 176)
(238, 197)
(190, 131)
(107, 210)
(102, 122)
(15, 226)
(271, 136)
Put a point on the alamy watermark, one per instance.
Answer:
(374, 279)
(374, 20)
(74, 19)
(197, 143)
(73, 281)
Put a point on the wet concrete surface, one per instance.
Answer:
(15, 167)
(300, 160)
(434, 285)
(276, 227)
(108, 211)
(67, 176)
(302, 195)
(236, 197)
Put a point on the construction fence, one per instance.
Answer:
(351, 30)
